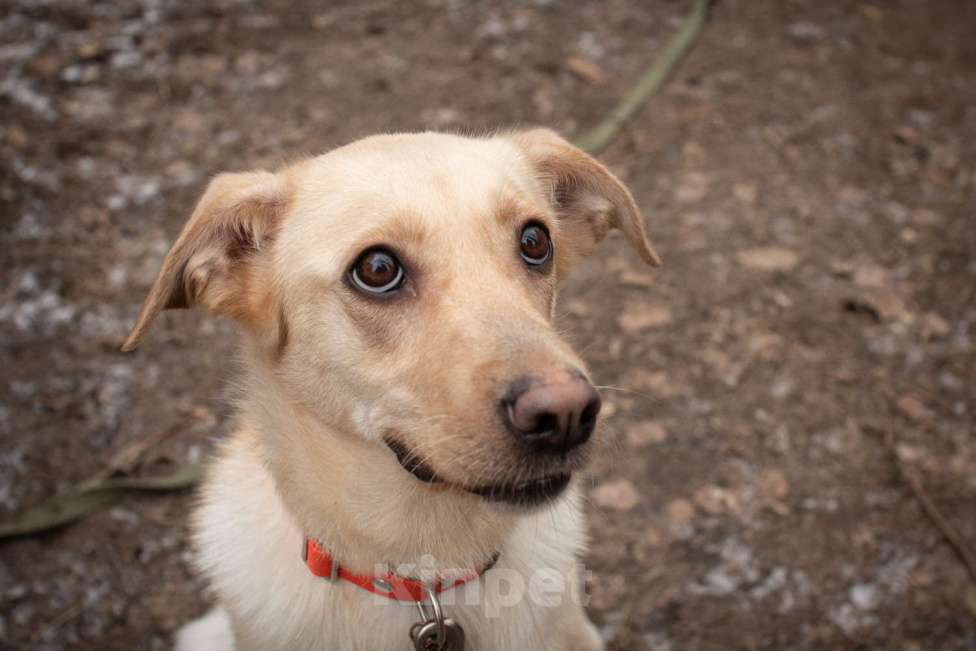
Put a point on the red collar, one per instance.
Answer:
(391, 586)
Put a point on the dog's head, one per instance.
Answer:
(400, 290)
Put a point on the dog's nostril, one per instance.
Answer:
(545, 423)
(590, 412)
(554, 412)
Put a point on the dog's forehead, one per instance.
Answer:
(424, 182)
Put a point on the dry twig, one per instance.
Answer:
(950, 533)
(597, 139)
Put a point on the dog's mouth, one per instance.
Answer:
(528, 493)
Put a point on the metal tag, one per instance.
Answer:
(424, 636)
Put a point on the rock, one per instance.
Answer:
(616, 494)
(680, 511)
(768, 258)
(637, 317)
(914, 409)
(645, 433)
(586, 69)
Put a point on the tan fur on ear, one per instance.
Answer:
(589, 199)
(210, 261)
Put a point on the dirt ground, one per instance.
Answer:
(808, 175)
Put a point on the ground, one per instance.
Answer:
(808, 176)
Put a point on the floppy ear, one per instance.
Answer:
(587, 198)
(212, 261)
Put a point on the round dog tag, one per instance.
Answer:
(425, 637)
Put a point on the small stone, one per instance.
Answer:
(925, 218)
(881, 304)
(715, 500)
(204, 416)
(89, 49)
(768, 258)
(805, 31)
(693, 153)
(680, 511)
(934, 326)
(865, 596)
(637, 317)
(773, 484)
(746, 192)
(653, 536)
(970, 600)
(636, 279)
(909, 453)
(764, 344)
(616, 494)
(870, 275)
(645, 433)
(872, 13)
(579, 308)
(659, 383)
(908, 135)
(914, 409)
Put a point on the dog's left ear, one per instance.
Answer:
(214, 260)
(588, 199)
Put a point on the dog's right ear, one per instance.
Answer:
(213, 259)
(588, 198)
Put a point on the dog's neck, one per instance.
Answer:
(351, 495)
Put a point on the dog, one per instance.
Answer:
(411, 427)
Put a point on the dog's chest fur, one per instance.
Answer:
(249, 548)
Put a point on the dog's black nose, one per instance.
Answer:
(552, 412)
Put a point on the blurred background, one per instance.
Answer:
(808, 175)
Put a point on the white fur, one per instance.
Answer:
(211, 632)
(250, 549)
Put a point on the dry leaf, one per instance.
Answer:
(680, 511)
(616, 494)
(692, 188)
(768, 258)
(586, 69)
(644, 433)
(914, 409)
(637, 317)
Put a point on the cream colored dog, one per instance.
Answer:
(407, 406)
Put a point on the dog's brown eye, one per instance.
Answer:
(535, 244)
(377, 271)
